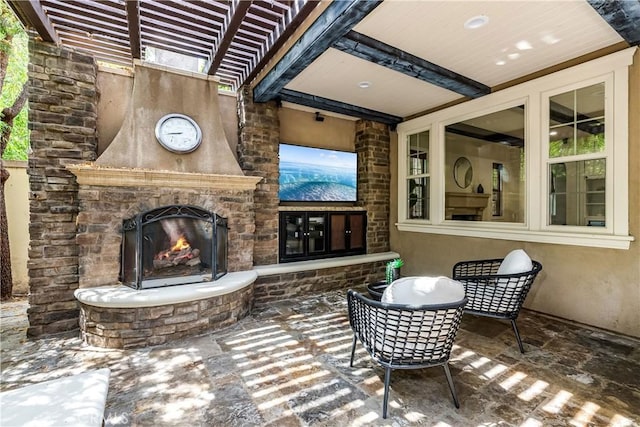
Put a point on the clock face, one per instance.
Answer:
(178, 133)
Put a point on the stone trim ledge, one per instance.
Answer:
(319, 264)
(90, 174)
(121, 296)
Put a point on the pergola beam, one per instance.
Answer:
(372, 50)
(237, 17)
(133, 23)
(32, 15)
(334, 22)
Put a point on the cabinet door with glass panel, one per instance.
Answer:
(577, 157)
(302, 235)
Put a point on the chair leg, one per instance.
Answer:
(353, 350)
(515, 330)
(451, 386)
(385, 401)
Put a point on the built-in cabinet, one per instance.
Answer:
(321, 234)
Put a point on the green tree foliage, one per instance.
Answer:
(14, 42)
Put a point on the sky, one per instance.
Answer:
(317, 156)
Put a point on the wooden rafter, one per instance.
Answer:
(133, 23)
(334, 22)
(237, 17)
(337, 107)
(285, 32)
(380, 53)
(31, 13)
(622, 15)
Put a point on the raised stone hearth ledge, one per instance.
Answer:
(320, 264)
(121, 296)
(121, 317)
(90, 174)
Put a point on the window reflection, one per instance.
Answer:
(494, 144)
(576, 128)
(418, 180)
(577, 193)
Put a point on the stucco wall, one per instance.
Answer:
(301, 128)
(116, 87)
(598, 287)
(17, 202)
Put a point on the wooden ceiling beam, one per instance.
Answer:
(334, 22)
(337, 107)
(237, 16)
(133, 23)
(32, 15)
(372, 50)
(621, 15)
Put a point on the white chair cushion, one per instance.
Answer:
(517, 261)
(423, 290)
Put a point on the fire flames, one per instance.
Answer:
(181, 244)
(180, 253)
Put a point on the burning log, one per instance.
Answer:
(180, 253)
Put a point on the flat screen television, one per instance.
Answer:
(317, 175)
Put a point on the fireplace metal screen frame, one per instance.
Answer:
(136, 225)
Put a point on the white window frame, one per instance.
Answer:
(611, 69)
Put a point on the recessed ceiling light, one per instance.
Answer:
(476, 22)
(513, 55)
(500, 62)
(524, 45)
(364, 84)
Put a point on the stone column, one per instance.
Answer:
(258, 144)
(374, 180)
(62, 120)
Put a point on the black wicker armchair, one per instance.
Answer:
(495, 295)
(399, 336)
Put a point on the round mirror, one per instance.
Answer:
(463, 172)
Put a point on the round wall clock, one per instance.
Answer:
(178, 133)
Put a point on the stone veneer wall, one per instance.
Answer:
(374, 181)
(102, 210)
(62, 119)
(144, 326)
(258, 145)
(284, 286)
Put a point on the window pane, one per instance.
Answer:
(576, 122)
(577, 193)
(496, 193)
(590, 102)
(418, 153)
(418, 198)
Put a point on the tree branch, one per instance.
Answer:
(7, 116)
(5, 51)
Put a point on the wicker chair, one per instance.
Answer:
(399, 336)
(495, 295)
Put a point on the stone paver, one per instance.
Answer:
(288, 365)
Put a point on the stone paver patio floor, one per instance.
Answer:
(288, 365)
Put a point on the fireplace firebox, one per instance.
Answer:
(173, 245)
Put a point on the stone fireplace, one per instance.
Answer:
(168, 225)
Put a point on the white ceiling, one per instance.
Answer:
(556, 31)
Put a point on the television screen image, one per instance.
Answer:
(317, 175)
